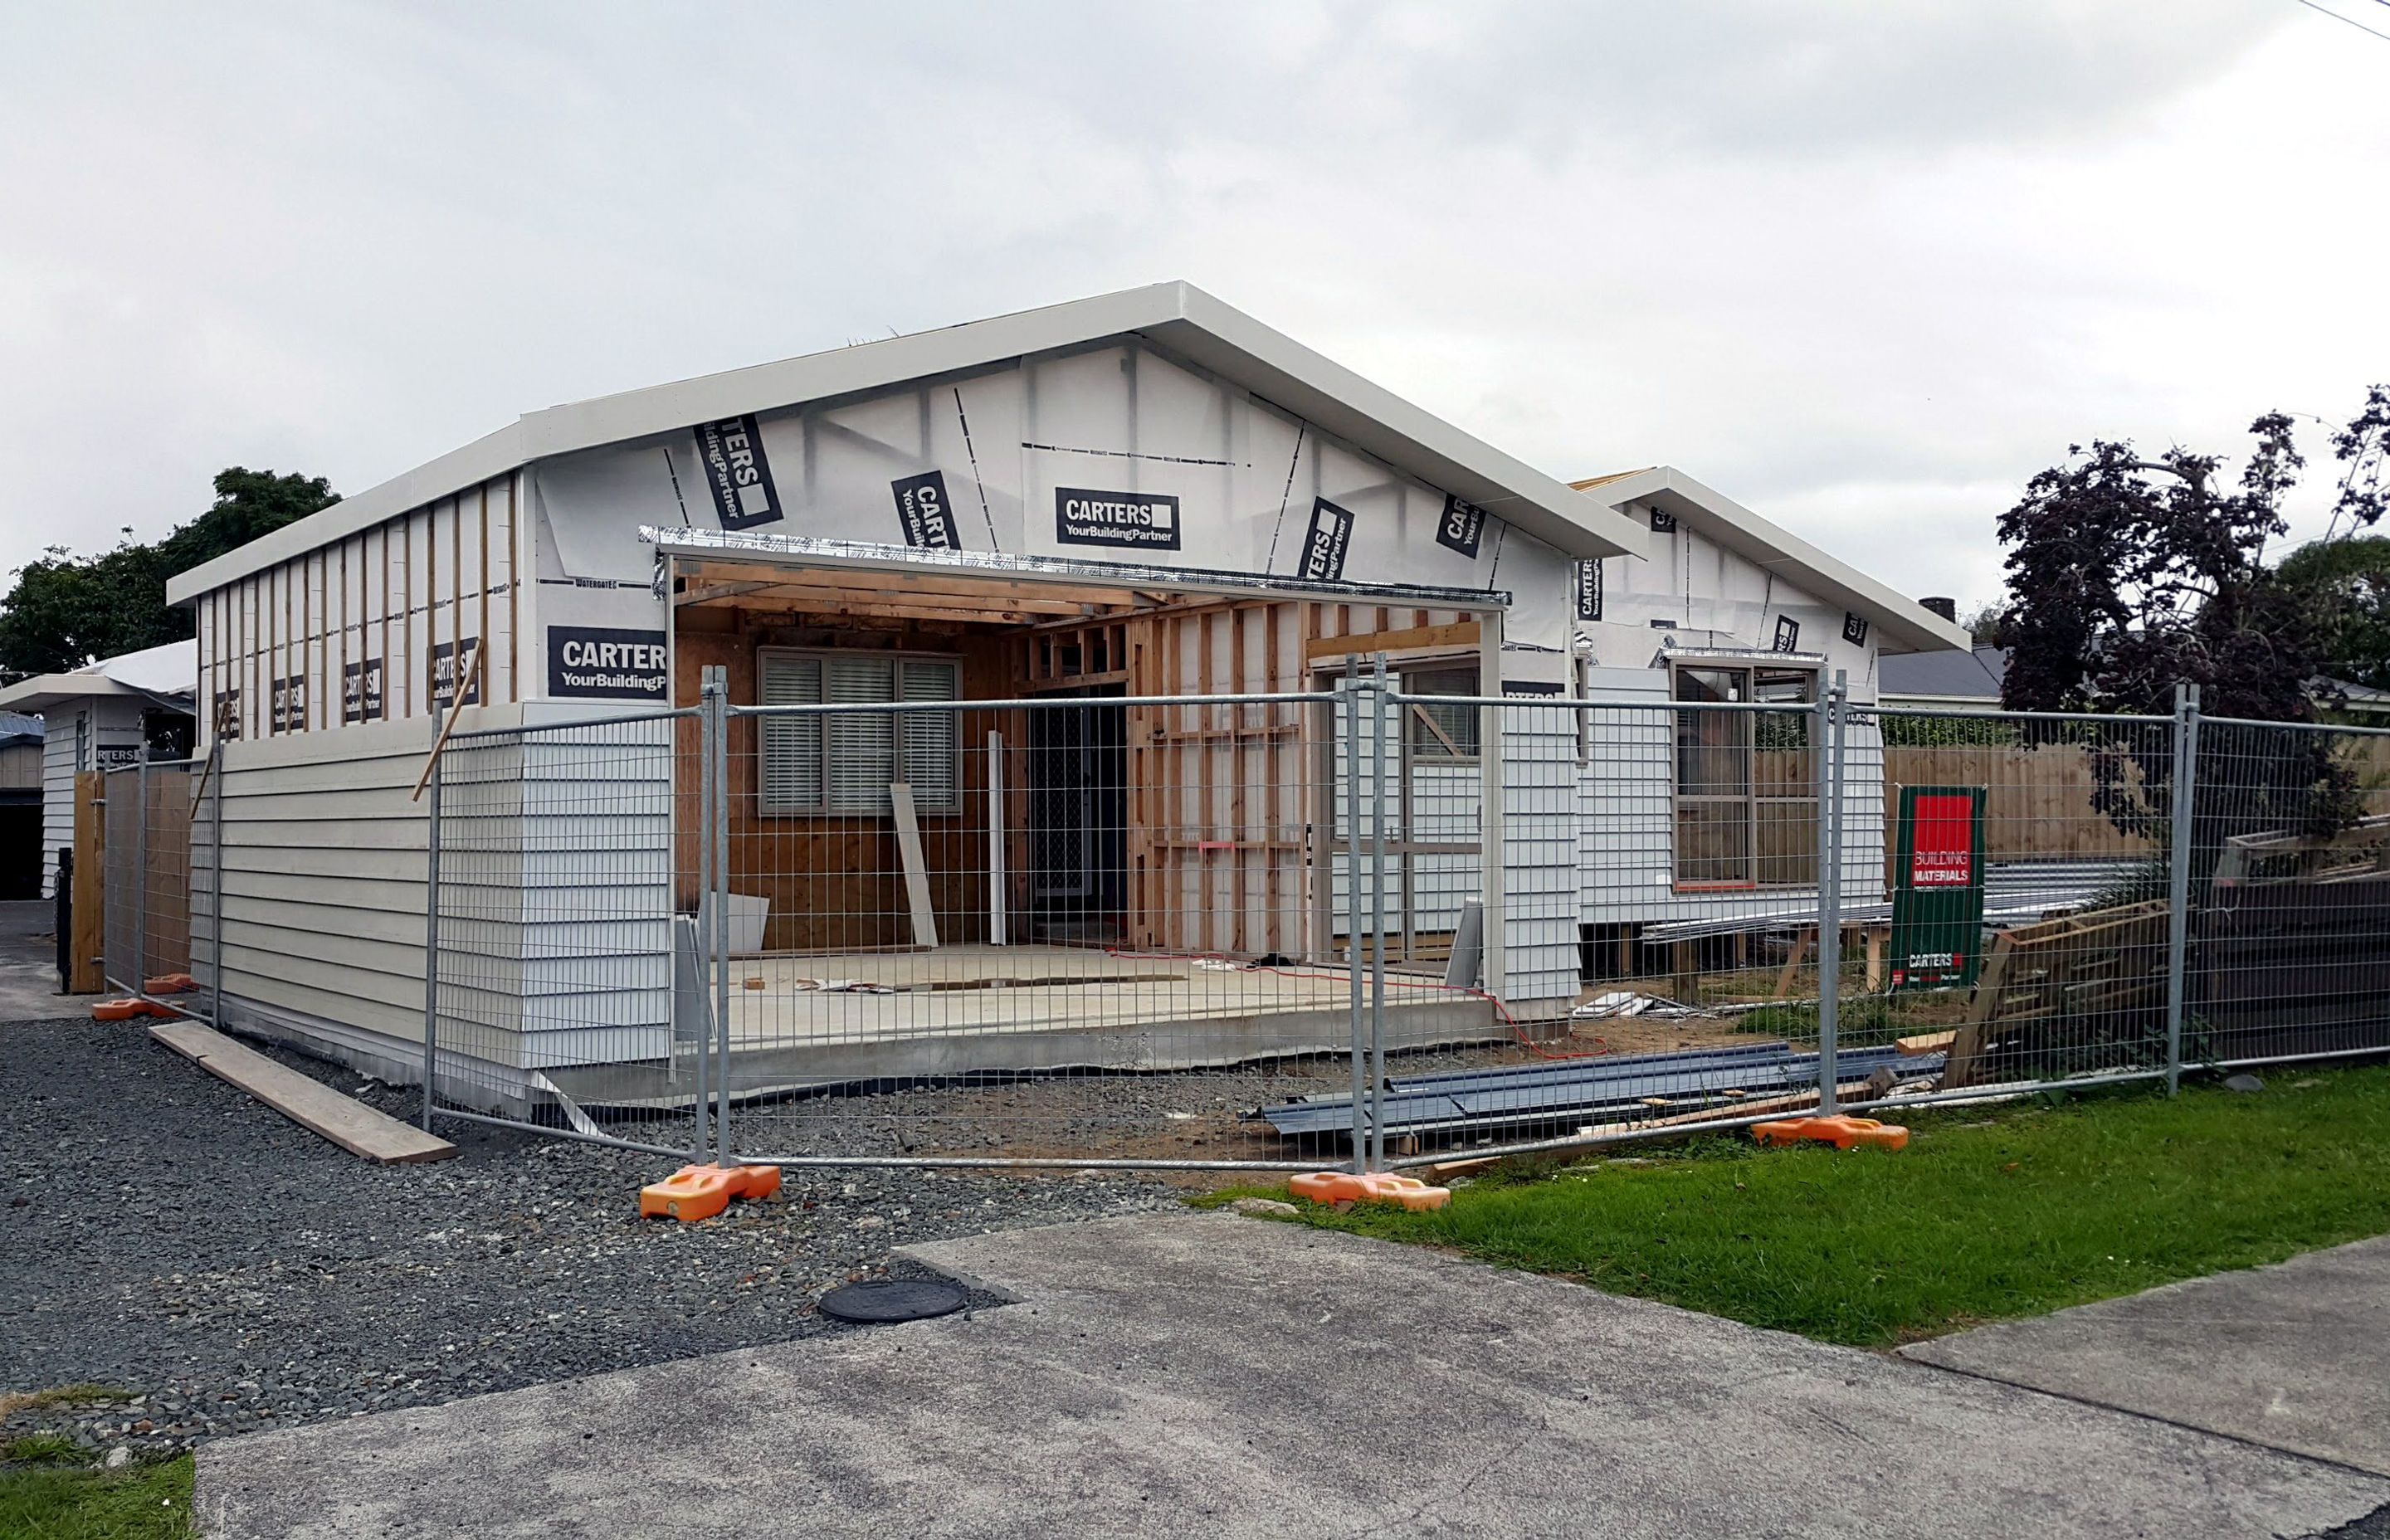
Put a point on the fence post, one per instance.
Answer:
(1830, 893)
(216, 882)
(1378, 725)
(139, 982)
(716, 691)
(700, 806)
(430, 935)
(1351, 706)
(2186, 791)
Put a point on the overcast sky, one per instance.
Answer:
(1865, 266)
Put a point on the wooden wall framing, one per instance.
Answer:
(1228, 806)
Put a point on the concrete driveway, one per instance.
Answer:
(28, 967)
(1191, 1374)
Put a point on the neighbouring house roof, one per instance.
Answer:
(2360, 698)
(1952, 675)
(1902, 624)
(165, 675)
(1176, 318)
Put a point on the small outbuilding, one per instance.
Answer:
(103, 716)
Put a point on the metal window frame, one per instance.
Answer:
(951, 710)
(1404, 674)
(1750, 666)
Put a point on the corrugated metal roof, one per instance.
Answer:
(1602, 1089)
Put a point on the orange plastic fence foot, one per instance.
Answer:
(1842, 1132)
(1343, 1186)
(125, 1010)
(700, 1192)
(169, 984)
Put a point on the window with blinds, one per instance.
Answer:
(843, 762)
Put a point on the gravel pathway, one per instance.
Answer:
(162, 1235)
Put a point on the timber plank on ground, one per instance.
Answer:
(306, 1101)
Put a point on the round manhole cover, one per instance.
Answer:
(893, 1299)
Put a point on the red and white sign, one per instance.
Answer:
(1944, 854)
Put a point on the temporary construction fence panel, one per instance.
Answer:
(1075, 929)
(558, 884)
(146, 814)
(2288, 953)
(1115, 940)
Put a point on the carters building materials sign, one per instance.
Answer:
(606, 662)
(1937, 898)
(1327, 542)
(730, 455)
(1144, 520)
(924, 513)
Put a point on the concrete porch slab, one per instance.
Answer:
(1205, 1375)
(2295, 1357)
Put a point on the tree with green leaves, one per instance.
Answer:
(2349, 582)
(65, 610)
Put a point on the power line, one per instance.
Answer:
(2337, 16)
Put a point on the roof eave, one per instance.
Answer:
(43, 691)
(1902, 624)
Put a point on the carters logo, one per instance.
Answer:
(1148, 521)
(1588, 590)
(1327, 540)
(923, 513)
(731, 454)
(442, 662)
(1462, 526)
(609, 662)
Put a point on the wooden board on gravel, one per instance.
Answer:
(306, 1101)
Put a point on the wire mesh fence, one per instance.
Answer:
(2289, 869)
(1073, 928)
(566, 983)
(147, 876)
(869, 919)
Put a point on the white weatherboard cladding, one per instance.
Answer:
(100, 729)
(556, 904)
(1445, 805)
(1625, 817)
(1541, 877)
(1120, 417)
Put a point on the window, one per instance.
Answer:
(1436, 731)
(1746, 802)
(842, 762)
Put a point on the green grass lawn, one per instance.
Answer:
(49, 1499)
(1989, 1212)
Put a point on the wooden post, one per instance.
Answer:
(88, 938)
(1794, 960)
(1688, 984)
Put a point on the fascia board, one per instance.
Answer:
(1902, 624)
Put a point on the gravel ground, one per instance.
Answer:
(168, 1238)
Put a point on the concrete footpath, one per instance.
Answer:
(1203, 1375)
(2295, 1357)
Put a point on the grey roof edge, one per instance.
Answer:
(1176, 315)
(1897, 618)
(39, 693)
